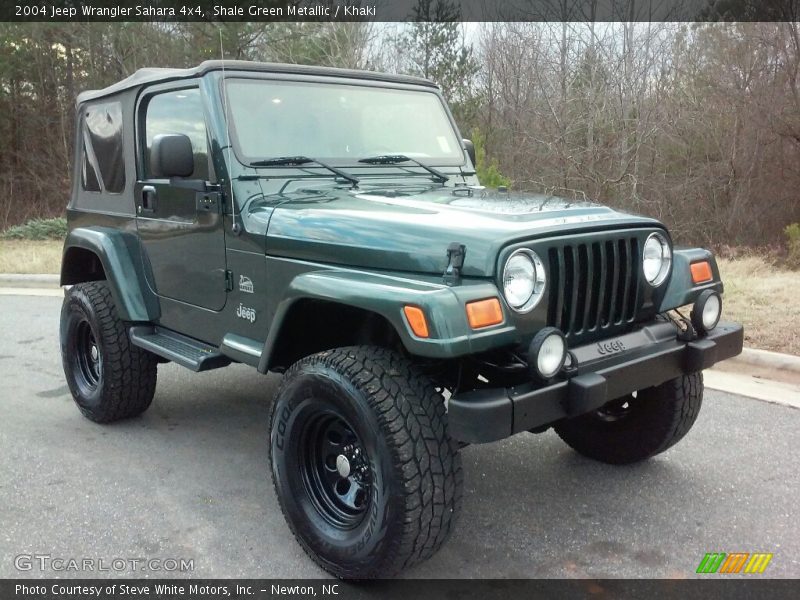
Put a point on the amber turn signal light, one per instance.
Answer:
(416, 318)
(701, 272)
(484, 313)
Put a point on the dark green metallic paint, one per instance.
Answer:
(410, 232)
(118, 253)
(242, 349)
(183, 248)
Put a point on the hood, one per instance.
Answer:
(403, 230)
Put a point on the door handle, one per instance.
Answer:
(149, 196)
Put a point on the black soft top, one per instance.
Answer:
(157, 75)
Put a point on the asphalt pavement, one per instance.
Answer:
(189, 480)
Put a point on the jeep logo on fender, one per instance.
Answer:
(248, 314)
(610, 347)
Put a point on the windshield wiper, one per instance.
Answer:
(391, 159)
(303, 160)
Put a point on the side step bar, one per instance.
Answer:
(185, 351)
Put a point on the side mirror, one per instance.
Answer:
(171, 156)
(470, 148)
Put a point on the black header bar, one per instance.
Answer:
(710, 588)
(400, 10)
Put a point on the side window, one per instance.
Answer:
(103, 166)
(180, 111)
(89, 178)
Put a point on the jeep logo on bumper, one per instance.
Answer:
(610, 347)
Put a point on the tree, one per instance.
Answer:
(433, 47)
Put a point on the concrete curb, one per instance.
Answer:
(751, 357)
(28, 280)
(766, 390)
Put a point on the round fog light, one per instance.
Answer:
(707, 310)
(547, 353)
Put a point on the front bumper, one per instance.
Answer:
(651, 356)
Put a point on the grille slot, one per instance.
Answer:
(594, 286)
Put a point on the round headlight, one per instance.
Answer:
(656, 259)
(523, 280)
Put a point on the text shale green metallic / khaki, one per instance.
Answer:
(328, 224)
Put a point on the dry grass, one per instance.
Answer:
(764, 298)
(758, 294)
(22, 256)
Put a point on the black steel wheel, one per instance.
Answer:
(617, 409)
(86, 354)
(363, 468)
(637, 426)
(109, 377)
(335, 468)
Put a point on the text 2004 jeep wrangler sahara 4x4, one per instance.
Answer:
(329, 225)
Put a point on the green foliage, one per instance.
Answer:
(488, 170)
(434, 48)
(792, 233)
(38, 229)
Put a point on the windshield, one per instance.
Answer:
(338, 123)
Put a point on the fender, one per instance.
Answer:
(118, 253)
(386, 295)
(681, 290)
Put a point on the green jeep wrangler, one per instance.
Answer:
(328, 225)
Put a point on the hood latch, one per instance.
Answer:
(455, 261)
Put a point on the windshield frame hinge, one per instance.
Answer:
(456, 253)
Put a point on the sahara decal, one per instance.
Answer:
(245, 284)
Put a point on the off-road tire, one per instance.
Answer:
(122, 382)
(412, 467)
(657, 418)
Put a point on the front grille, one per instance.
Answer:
(594, 287)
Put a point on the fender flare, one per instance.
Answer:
(118, 252)
(386, 295)
(681, 290)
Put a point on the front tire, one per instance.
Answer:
(634, 428)
(363, 467)
(110, 378)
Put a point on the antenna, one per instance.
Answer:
(235, 226)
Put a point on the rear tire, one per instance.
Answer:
(363, 467)
(110, 378)
(631, 429)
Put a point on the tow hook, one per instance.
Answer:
(686, 331)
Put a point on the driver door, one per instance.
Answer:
(182, 236)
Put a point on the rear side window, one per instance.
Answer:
(102, 166)
(89, 178)
(179, 111)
